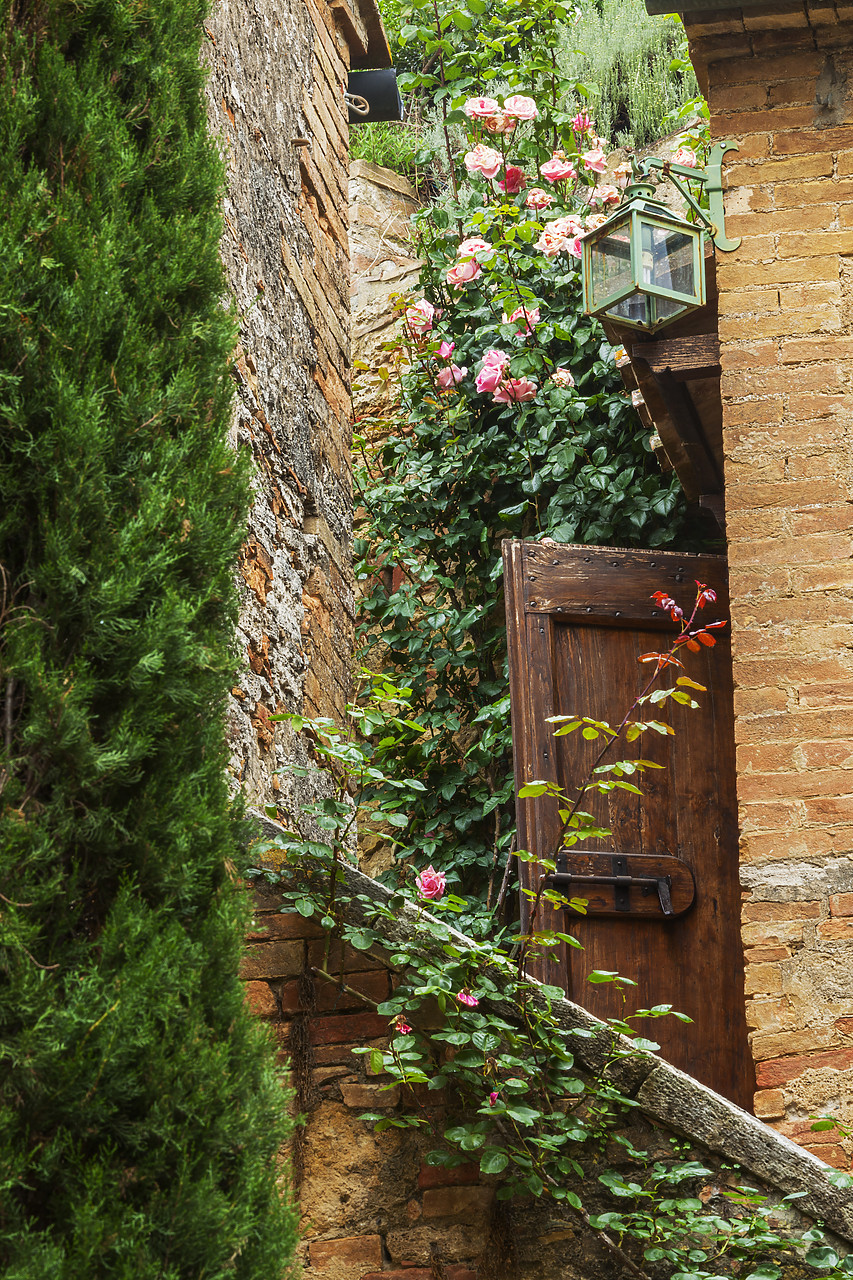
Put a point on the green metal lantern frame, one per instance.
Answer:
(642, 210)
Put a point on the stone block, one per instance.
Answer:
(841, 904)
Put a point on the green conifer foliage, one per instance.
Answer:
(139, 1113)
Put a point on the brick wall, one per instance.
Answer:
(275, 97)
(374, 1209)
(778, 79)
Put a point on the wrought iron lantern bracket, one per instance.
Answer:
(714, 218)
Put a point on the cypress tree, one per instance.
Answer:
(139, 1112)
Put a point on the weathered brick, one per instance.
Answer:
(745, 97)
(775, 1045)
(744, 274)
(353, 1251)
(817, 217)
(841, 904)
(458, 1201)
(779, 1071)
(827, 191)
(270, 925)
(327, 996)
(261, 1000)
(750, 355)
(822, 520)
(781, 846)
(272, 960)
(351, 1028)
(831, 696)
(781, 910)
(438, 1176)
(801, 141)
(369, 1097)
(835, 930)
(791, 92)
(818, 165)
(813, 244)
(769, 1104)
(765, 978)
(767, 933)
(826, 809)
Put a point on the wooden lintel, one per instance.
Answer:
(690, 357)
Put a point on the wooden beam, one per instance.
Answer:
(693, 357)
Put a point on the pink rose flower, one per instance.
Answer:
(549, 244)
(493, 1097)
(402, 1028)
(514, 181)
(529, 316)
(474, 244)
(515, 391)
(464, 271)
(575, 248)
(537, 198)
(582, 122)
(500, 123)
(595, 220)
(419, 317)
(480, 108)
(685, 156)
(605, 195)
(558, 168)
(622, 174)
(562, 378)
(445, 351)
(571, 225)
(464, 997)
(484, 160)
(447, 377)
(594, 161)
(492, 371)
(431, 883)
(520, 107)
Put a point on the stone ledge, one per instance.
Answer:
(664, 1094)
(379, 176)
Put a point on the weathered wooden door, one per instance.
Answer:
(578, 619)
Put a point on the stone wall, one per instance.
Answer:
(383, 263)
(278, 69)
(779, 81)
(373, 1209)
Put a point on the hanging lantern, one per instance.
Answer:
(645, 266)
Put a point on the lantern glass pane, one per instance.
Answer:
(633, 310)
(668, 259)
(668, 309)
(611, 264)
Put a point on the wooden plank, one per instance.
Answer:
(530, 664)
(698, 356)
(609, 587)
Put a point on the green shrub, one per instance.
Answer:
(139, 1114)
(635, 67)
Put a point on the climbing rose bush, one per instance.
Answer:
(512, 420)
